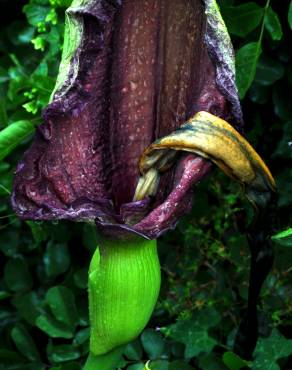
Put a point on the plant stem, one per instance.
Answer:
(107, 361)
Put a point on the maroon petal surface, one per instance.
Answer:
(143, 69)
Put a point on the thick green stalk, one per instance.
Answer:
(124, 282)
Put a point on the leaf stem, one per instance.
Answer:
(263, 23)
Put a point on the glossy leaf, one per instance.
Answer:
(284, 238)
(153, 343)
(234, 362)
(62, 304)
(62, 353)
(273, 24)
(242, 19)
(36, 14)
(271, 349)
(194, 333)
(28, 306)
(53, 328)
(290, 15)
(246, 64)
(17, 276)
(134, 351)
(56, 259)
(268, 71)
(13, 135)
(25, 343)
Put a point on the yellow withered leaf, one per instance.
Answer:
(215, 139)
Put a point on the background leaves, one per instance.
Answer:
(205, 261)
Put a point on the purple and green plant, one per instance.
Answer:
(139, 112)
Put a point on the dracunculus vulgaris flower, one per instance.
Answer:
(138, 114)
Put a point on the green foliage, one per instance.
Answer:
(193, 333)
(234, 362)
(13, 135)
(205, 261)
(246, 65)
(273, 25)
(284, 238)
(241, 21)
(270, 350)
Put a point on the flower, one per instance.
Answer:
(131, 72)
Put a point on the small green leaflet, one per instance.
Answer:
(273, 25)
(12, 135)
(284, 238)
(246, 64)
(290, 15)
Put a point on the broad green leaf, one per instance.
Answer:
(268, 71)
(153, 343)
(242, 19)
(13, 135)
(81, 336)
(284, 238)
(53, 328)
(134, 350)
(271, 349)
(62, 353)
(290, 15)
(157, 365)
(36, 14)
(234, 362)
(246, 64)
(62, 304)
(194, 332)
(28, 306)
(39, 232)
(56, 259)
(25, 343)
(273, 24)
(17, 276)
(81, 278)
(136, 367)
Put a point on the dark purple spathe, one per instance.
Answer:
(141, 70)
